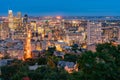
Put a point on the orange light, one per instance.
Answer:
(28, 46)
(58, 17)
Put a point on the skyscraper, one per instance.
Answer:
(19, 15)
(25, 19)
(94, 32)
(10, 20)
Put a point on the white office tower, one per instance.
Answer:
(11, 23)
(94, 32)
(10, 19)
(19, 15)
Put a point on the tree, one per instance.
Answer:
(19, 76)
(9, 71)
(42, 61)
(101, 65)
(75, 47)
(70, 57)
(50, 63)
(48, 73)
(35, 75)
(30, 61)
(14, 70)
(51, 49)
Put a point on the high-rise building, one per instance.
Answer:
(19, 15)
(25, 19)
(33, 25)
(10, 20)
(94, 32)
(110, 33)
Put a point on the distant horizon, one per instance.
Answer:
(62, 7)
(55, 14)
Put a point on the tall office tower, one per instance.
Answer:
(10, 20)
(94, 32)
(18, 20)
(19, 15)
(34, 25)
(27, 49)
(25, 19)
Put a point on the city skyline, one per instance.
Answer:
(60, 7)
(59, 40)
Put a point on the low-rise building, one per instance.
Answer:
(5, 62)
(59, 54)
(70, 67)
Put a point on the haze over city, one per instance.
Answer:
(62, 7)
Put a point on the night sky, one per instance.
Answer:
(62, 7)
